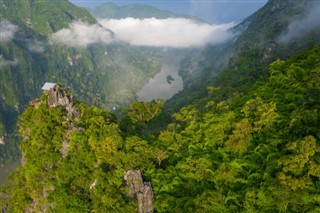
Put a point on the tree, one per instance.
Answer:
(143, 112)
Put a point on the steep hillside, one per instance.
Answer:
(35, 48)
(43, 17)
(268, 37)
(265, 36)
(203, 64)
(246, 140)
(256, 153)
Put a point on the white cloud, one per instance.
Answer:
(171, 32)
(7, 31)
(80, 34)
(4, 62)
(299, 26)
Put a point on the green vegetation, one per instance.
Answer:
(239, 63)
(249, 142)
(112, 11)
(41, 16)
(104, 76)
(228, 152)
(97, 75)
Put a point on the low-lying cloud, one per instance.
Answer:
(7, 31)
(80, 34)
(171, 32)
(4, 62)
(300, 26)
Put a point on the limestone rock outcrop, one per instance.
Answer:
(140, 190)
(57, 97)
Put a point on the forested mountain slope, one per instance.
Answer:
(140, 11)
(225, 153)
(247, 140)
(277, 30)
(35, 48)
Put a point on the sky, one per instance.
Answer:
(212, 11)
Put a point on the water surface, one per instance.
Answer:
(7, 169)
(159, 87)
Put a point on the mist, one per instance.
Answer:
(171, 32)
(80, 34)
(302, 25)
(5, 62)
(152, 32)
(35, 46)
(7, 31)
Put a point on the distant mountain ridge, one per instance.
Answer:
(139, 11)
(257, 43)
(243, 136)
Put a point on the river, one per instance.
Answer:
(158, 87)
(7, 169)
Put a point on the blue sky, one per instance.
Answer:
(213, 11)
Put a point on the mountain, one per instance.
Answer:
(277, 30)
(259, 152)
(24, 29)
(139, 11)
(36, 48)
(193, 61)
(246, 140)
(264, 38)
(41, 17)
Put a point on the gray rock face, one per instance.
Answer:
(65, 148)
(145, 199)
(140, 190)
(57, 97)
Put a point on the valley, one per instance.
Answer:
(158, 87)
(159, 111)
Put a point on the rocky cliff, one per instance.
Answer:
(58, 97)
(140, 190)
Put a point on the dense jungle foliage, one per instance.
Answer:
(100, 75)
(228, 152)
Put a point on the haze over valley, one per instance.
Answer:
(159, 106)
